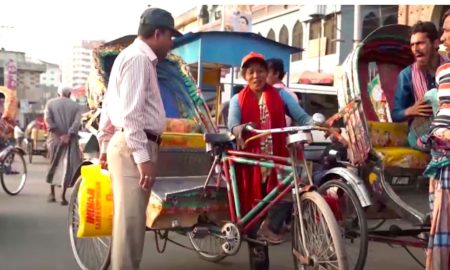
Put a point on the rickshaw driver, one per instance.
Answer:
(266, 107)
(416, 79)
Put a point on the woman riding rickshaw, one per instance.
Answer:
(266, 108)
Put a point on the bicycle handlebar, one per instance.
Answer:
(265, 132)
(285, 129)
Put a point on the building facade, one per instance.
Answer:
(325, 32)
(77, 66)
(52, 75)
(410, 14)
(28, 82)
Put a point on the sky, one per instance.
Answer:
(46, 29)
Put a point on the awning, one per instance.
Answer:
(79, 92)
(310, 77)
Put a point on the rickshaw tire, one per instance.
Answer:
(331, 224)
(203, 255)
(23, 181)
(72, 234)
(364, 242)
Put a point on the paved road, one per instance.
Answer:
(33, 235)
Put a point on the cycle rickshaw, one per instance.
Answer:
(36, 138)
(382, 181)
(190, 195)
(13, 170)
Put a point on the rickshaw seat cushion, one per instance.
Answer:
(181, 125)
(385, 134)
(404, 157)
(182, 140)
(38, 134)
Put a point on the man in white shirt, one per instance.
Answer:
(132, 120)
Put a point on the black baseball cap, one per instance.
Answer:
(159, 18)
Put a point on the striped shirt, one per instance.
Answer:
(133, 100)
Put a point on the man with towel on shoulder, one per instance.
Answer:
(415, 80)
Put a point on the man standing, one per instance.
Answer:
(131, 123)
(63, 119)
(275, 78)
(416, 79)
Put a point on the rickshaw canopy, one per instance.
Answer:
(228, 48)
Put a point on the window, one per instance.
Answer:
(297, 40)
(389, 14)
(391, 19)
(284, 35)
(370, 23)
(330, 33)
(315, 29)
(271, 35)
(204, 14)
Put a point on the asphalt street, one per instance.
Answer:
(34, 235)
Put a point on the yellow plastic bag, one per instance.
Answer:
(95, 202)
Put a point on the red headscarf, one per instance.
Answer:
(250, 184)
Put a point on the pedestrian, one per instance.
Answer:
(131, 122)
(275, 78)
(63, 119)
(438, 170)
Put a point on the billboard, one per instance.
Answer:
(11, 74)
(237, 18)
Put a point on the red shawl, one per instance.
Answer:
(250, 186)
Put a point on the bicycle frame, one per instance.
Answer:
(227, 160)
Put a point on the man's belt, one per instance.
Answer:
(150, 136)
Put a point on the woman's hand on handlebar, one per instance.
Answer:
(239, 131)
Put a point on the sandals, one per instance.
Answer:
(266, 234)
(51, 198)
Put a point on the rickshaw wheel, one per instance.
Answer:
(91, 253)
(351, 219)
(209, 245)
(323, 241)
(14, 172)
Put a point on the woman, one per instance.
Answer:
(266, 107)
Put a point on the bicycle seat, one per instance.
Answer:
(219, 137)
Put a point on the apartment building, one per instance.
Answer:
(79, 62)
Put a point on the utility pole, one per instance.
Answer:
(357, 26)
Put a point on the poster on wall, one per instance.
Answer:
(11, 74)
(237, 18)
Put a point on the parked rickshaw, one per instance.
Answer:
(382, 179)
(13, 170)
(193, 193)
(36, 138)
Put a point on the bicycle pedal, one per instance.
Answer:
(255, 241)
